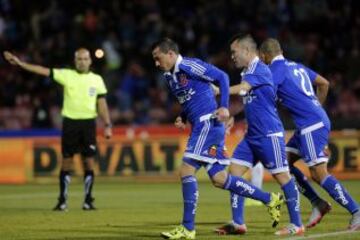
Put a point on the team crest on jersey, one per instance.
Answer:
(183, 79)
(92, 91)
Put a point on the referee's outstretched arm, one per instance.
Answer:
(14, 60)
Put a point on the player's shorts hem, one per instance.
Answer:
(292, 150)
(206, 159)
(277, 134)
(312, 128)
(241, 162)
(223, 161)
(206, 117)
(317, 161)
(278, 170)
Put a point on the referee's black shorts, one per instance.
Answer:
(78, 136)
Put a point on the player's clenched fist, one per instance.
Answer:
(222, 114)
(179, 123)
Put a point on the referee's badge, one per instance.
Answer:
(92, 91)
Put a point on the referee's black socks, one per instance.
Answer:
(64, 185)
(88, 184)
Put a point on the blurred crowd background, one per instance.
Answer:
(323, 34)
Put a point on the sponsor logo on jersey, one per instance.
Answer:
(185, 95)
(249, 97)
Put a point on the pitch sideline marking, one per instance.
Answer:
(44, 195)
(320, 235)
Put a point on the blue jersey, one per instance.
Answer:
(190, 84)
(260, 109)
(294, 89)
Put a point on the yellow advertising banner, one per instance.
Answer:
(146, 152)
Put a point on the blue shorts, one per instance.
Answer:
(269, 150)
(311, 144)
(207, 142)
(211, 168)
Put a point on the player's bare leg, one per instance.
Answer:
(257, 178)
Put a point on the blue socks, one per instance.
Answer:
(190, 197)
(304, 186)
(292, 202)
(237, 208)
(339, 194)
(243, 188)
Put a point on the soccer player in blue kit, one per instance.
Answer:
(264, 139)
(189, 80)
(295, 91)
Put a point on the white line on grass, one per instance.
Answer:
(321, 235)
(43, 195)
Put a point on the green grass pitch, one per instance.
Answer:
(141, 211)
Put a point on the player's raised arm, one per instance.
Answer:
(14, 60)
(322, 88)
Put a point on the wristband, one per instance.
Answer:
(242, 92)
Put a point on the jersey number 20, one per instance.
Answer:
(305, 81)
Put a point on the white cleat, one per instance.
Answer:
(355, 222)
(291, 230)
(318, 212)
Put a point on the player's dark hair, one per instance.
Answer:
(244, 37)
(271, 46)
(165, 45)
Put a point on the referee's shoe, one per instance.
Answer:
(88, 204)
(61, 205)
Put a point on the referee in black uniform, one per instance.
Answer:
(84, 98)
